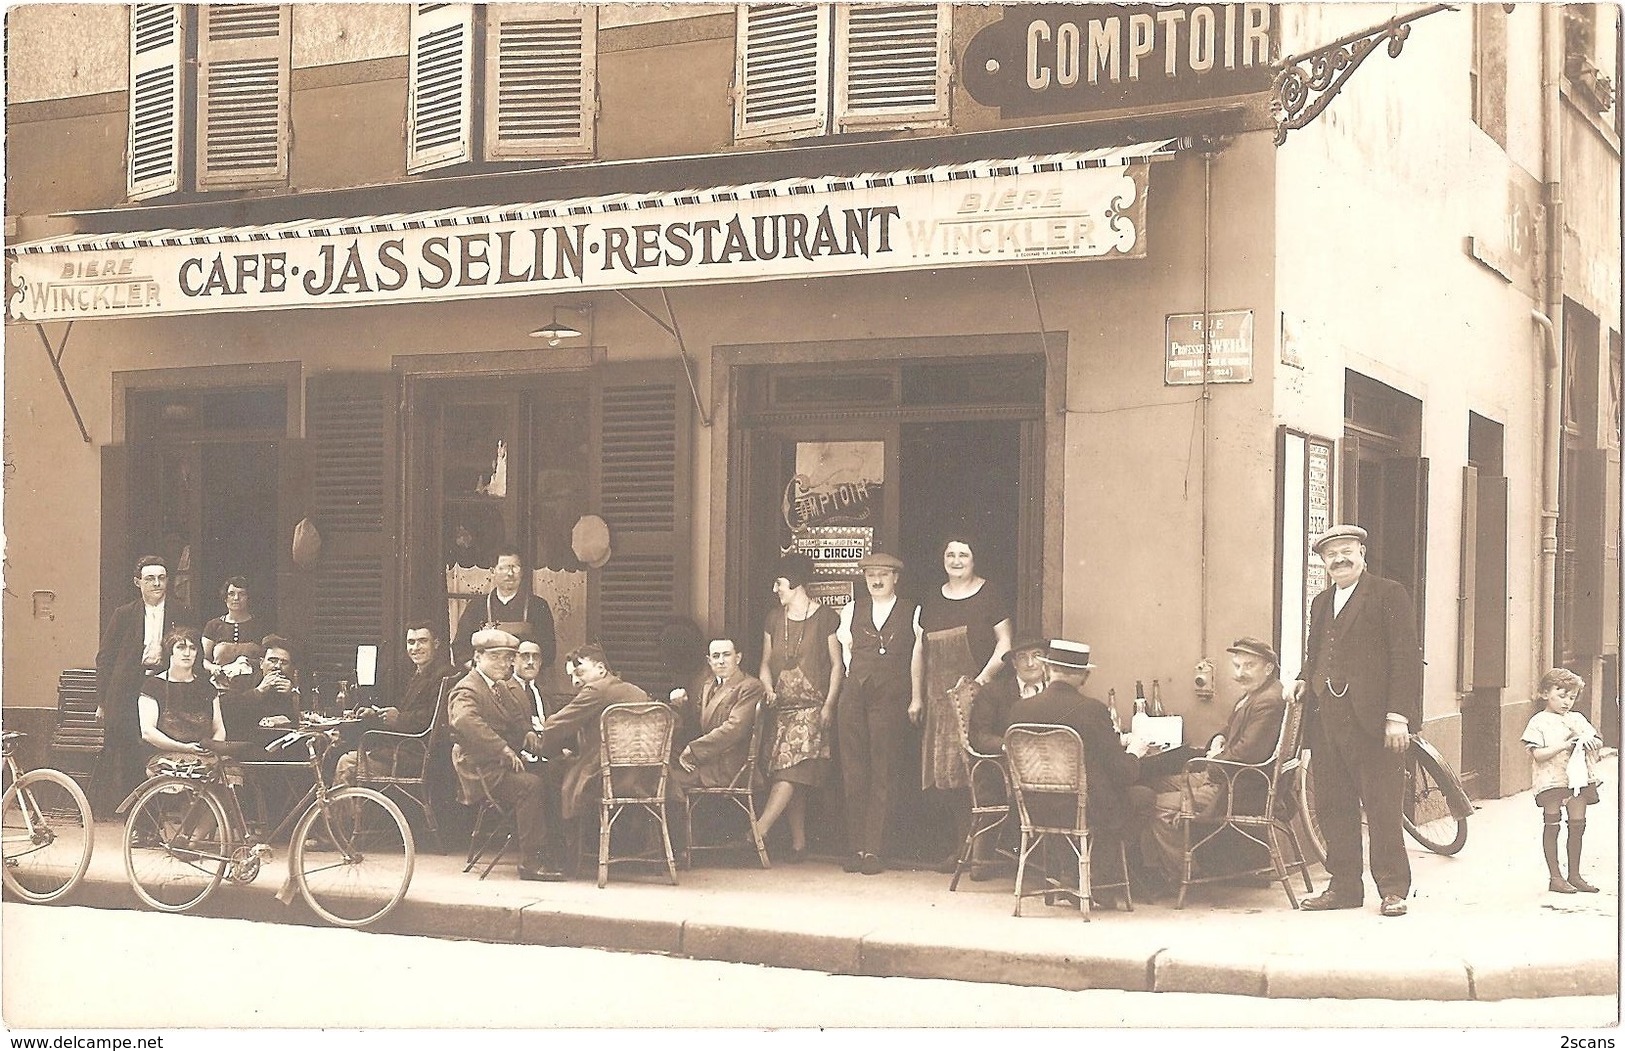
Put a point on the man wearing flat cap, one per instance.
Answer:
(1249, 736)
(1362, 684)
(1117, 806)
(881, 647)
(491, 725)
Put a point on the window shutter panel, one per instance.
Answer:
(641, 488)
(1596, 553)
(891, 65)
(781, 73)
(540, 81)
(242, 95)
(1490, 593)
(440, 87)
(350, 443)
(157, 51)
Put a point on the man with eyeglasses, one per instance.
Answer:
(132, 646)
(509, 606)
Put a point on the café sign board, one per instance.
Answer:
(1063, 59)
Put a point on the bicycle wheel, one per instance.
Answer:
(177, 843)
(1427, 812)
(353, 862)
(1308, 821)
(46, 836)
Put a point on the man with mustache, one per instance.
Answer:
(1362, 680)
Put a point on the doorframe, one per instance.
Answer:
(728, 498)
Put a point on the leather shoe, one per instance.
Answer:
(1578, 883)
(853, 864)
(1329, 900)
(1393, 905)
(540, 875)
(872, 865)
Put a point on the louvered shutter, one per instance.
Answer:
(891, 65)
(440, 87)
(157, 51)
(242, 93)
(781, 71)
(641, 451)
(350, 443)
(540, 81)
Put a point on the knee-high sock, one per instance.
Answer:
(1577, 831)
(1548, 841)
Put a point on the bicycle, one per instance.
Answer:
(350, 856)
(46, 833)
(1434, 809)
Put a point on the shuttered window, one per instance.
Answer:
(540, 83)
(440, 86)
(157, 54)
(350, 428)
(891, 65)
(641, 488)
(809, 69)
(243, 89)
(535, 83)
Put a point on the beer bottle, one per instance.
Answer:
(1155, 707)
(1139, 697)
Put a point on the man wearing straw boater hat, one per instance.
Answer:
(1117, 807)
(1362, 684)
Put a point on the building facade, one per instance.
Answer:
(740, 280)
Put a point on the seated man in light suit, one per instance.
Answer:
(490, 722)
(719, 713)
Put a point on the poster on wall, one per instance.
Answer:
(1306, 467)
(835, 484)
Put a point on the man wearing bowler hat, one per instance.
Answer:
(884, 667)
(1249, 736)
(1362, 680)
(1117, 807)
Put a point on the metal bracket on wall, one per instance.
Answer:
(671, 328)
(1306, 84)
(56, 365)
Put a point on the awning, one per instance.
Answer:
(1082, 205)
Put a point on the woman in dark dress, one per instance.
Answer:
(179, 708)
(239, 624)
(967, 630)
(802, 672)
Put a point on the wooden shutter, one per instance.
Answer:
(242, 91)
(540, 81)
(781, 71)
(157, 54)
(1467, 589)
(1490, 574)
(1595, 579)
(350, 442)
(440, 87)
(1403, 531)
(640, 487)
(118, 563)
(891, 65)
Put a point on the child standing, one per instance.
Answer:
(1563, 747)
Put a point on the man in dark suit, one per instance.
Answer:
(719, 713)
(491, 724)
(411, 714)
(1362, 680)
(579, 722)
(1117, 806)
(132, 646)
(1250, 736)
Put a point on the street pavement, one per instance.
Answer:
(1482, 925)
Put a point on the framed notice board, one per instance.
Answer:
(1306, 465)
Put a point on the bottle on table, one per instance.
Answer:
(1111, 708)
(1139, 697)
(341, 700)
(1155, 705)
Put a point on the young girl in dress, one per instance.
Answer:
(1563, 747)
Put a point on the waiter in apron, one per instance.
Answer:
(509, 606)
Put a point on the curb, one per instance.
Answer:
(900, 951)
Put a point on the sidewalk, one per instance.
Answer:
(1482, 924)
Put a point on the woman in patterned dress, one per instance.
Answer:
(802, 671)
(967, 630)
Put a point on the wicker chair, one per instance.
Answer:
(388, 761)
(1046, 760)
(741, 791)
(989, 781)
(1276, 778)
(634, 737)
